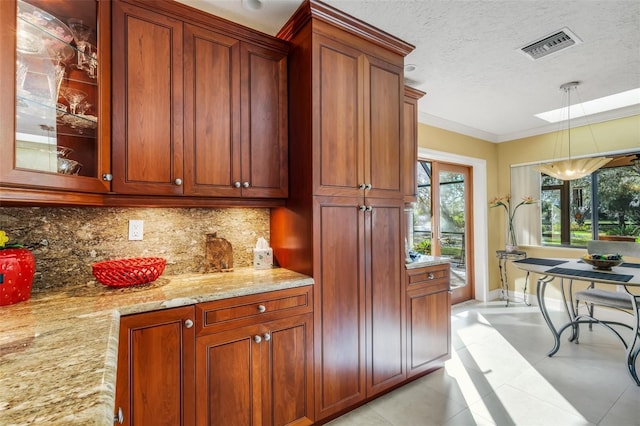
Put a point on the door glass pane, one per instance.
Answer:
(56, 86)
(453, 224)
(422, 215)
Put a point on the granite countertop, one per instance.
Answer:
(424, 260)
(58, 350)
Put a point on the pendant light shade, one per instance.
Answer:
(572, 168)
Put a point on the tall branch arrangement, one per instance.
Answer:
(505, 202)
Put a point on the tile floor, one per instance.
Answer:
(499, 374)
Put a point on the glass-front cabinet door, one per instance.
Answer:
(55, 83)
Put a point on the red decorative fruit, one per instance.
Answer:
(17, 267)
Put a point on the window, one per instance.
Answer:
(604, 205)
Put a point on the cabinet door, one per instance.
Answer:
(337, 113)
(264, 123)
(384, 295)
(410, 143)
(429, 328)
(55, 96)
(288, 396)
(339, 326)
(383, 101)
(147, 102)
(155, 382)
(228, 385)
(211, 113)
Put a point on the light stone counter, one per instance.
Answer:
(424, 260)
(58, 350)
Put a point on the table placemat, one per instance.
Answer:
(630, 265)
(591, 274)
(539, 261)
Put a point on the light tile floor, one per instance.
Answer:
(499, 374)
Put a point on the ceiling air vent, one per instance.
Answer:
(553, 43)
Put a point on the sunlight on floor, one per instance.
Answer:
(493, 371)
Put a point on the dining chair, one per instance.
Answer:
(620, 298)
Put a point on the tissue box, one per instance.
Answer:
(263, 258)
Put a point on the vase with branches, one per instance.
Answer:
(505, 202)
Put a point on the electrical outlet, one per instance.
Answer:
(136, 230)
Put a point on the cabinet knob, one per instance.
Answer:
(369, 208)
(236, 184)
(430, 276)
(362, 186)
(107, 176)
(362, 208)
(257, 339)
(262, 308)
(119, 416)
(266, 337)
(245, 184)
(188, 323)
(178, 181)
(368, 186)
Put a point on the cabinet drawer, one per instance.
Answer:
(212, 317)
(429, 275)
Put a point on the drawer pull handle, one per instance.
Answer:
(266, 337)
(188, 323)
(119, 416)
(430, 276)
(257, 339)
(262, 308)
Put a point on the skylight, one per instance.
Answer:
(607, 103)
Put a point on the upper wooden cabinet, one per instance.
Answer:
(55, 112)
(357, 117)
(196, 111)
(410, 143)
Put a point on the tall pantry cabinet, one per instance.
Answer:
(344, 216)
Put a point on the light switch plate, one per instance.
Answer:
(136, 230)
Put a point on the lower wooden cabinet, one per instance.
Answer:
(256, 375)
(244, 360)
(155, 376)
(428, 318)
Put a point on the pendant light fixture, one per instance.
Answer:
(572, 168)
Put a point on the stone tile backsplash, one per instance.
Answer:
(67, 241)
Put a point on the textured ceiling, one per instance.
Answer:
(468, 60)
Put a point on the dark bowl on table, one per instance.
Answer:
(602, 262)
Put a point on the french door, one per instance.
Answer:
(443, 222)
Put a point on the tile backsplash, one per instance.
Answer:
(67, 241)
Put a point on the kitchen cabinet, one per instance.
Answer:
(198, 111)
(357, 120)
(428, 318)
(360, 339)
(410, 143)
(258, 373)
(343, 219)
(155, 375)
(241, 360)
(55, 116)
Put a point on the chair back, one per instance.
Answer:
(624, 248)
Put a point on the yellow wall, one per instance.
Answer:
(611, 136)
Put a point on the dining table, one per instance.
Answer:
(562, 272)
